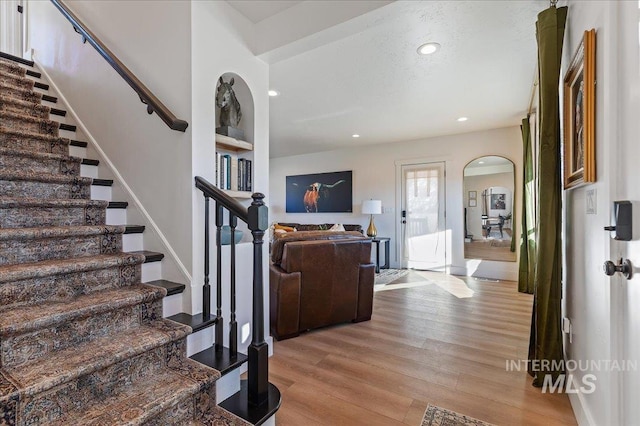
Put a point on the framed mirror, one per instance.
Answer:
(489, 184)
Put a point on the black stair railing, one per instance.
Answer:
(146, 96)
(256, 217)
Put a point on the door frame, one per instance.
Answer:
(446, 160)
(10, 17)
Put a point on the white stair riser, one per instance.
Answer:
(132, 242)
(101, 192)
(89, 171)
(227, 385)
(199, 341)
(76, 151)
(151, 271)
(67, 134)
(116, 216)
(172, 305)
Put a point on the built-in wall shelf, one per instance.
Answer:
(238, 194)
(233, 144)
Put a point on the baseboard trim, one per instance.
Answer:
(578, 404)
(107, 161)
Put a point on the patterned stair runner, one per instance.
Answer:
(82, 340)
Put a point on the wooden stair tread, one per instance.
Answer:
(59, 112)
(43, 177)
(16, 59)
(22, 319)
(134, 229)
(148, 398)
(196, 322)
(221, 360)
(42, 232)
(90, 162)
(6, 202)
(51, 99)
(117, 205)
(171, 287)
(102, 182)
(79, 144)
(43, 373)
(9, 273)
(150, 256)
(68, 127)
(35, 74)
(238, 404)
(35, 154)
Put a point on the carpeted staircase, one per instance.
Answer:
(82, 340)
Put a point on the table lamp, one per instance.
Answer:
(372, 207)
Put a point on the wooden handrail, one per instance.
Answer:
(147, 98)
(228, 202)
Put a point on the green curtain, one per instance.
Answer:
(528, 240)
(546, 337)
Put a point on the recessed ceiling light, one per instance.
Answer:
(428, 48)
(461, 119)
(355, 135)
(273, 93)
(480, 162)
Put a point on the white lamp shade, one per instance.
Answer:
(372, 207)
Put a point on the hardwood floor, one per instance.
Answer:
(443, 342)
(486, 249)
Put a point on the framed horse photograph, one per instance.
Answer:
(579, 146)
(320, 193)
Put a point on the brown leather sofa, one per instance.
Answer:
(319, 279)
(321, 226)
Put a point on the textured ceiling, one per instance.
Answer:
(368, 79)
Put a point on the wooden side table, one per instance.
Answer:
(377, 241)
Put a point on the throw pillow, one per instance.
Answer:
(337, 227)
(281, 228)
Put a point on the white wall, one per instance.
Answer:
(588, 298)
(219, 45)
(374, 176)
(154, 160)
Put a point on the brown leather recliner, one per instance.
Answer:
(319, 279)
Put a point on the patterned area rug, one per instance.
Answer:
(387, 276)
(436, 416)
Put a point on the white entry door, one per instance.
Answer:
(625, 297)
(423, 230)
(11, 27)
(604, 311)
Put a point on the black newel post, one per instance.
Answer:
(233, 325)
(206, 288)
(258, 351)
(219, 325)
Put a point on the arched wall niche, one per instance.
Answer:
(245, 98)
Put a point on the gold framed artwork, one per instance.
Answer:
(579, 145)
(473, 194)
(473, 202)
